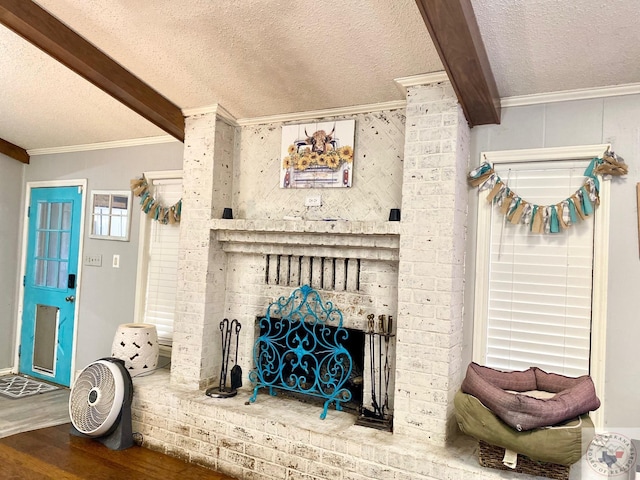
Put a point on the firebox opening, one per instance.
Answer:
(353, 343)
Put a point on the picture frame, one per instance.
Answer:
(317, 155)
(110, 215)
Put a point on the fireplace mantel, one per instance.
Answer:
(339, 238)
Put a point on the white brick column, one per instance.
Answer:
(207, 173)
(431, 267)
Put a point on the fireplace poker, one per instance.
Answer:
(387, 369)
(381, 332)
(372, 348)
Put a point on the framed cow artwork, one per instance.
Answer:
(317, 155)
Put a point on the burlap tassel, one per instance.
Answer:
(561, 221)
(538, 223)
(611, 166)
(171, 217)
(496, 189)
(517, 214)
(506, 203)
(137, 182)
(576, 202)
(474, 182)
(152, 211)
(145, 204)
(138, 191)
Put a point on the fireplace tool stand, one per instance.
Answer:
(377, 334)
(228, 330)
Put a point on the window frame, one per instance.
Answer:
(111, 194)
(600, 262)
(143, 262)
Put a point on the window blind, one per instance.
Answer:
(539, 305)
(162, 264)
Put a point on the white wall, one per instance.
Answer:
(377, 182)
(106, 294)
(612, 120)
(10, 213)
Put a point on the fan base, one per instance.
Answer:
(216, 392)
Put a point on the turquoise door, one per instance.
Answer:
(46, 337)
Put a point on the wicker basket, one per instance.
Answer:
(491, 456)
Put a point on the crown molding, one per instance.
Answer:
(424, 79)
(545, 154)
(568, 95)
(329, 112)
(134, 142)
(216, 109)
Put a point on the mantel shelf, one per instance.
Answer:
(339, 238)
(340, 227)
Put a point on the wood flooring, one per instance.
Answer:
(52, 453)
(33, 412)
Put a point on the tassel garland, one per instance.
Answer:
(151, 207)
(548, 218)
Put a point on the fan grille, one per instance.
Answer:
(92, 398)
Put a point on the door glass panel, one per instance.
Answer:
(52, 273)
(65, 241)
(40, 273)
(66, 215)
(63, 276)
(53, 245)
(43, 210)
(55, 219)
(41, 242)
(44, 342)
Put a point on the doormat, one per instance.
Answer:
(15, 386)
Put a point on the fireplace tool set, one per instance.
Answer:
(377, 334)
(228, 330)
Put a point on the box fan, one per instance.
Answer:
(100, 404)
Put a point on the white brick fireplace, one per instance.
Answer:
(414, 159)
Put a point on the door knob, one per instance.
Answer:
(70, 298)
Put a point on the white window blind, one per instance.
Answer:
(540, 286)
(162, 263)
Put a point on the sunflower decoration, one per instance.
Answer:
(303, 163)
(304, 159)
(346, 153)
(333, 162)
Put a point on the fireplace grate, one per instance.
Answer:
(326, 273)
(301, 349)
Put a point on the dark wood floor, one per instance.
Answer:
(52, 453)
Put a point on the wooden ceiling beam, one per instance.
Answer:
(454, 30)
(14, 151)
(46, 32)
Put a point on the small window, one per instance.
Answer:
(110, 215)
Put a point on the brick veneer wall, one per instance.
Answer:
(424, 285)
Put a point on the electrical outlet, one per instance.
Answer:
(94, 260)
(313, 201)
(116, 261)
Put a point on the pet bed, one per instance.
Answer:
(562, 444)
(502, 393)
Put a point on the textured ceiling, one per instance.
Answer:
(540, 46)
(253, 57)
(265, 57)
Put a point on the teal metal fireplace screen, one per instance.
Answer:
(301, 349)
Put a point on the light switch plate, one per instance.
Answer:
(313, 201)
(94, 260)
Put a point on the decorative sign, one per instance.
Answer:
(317, 155)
